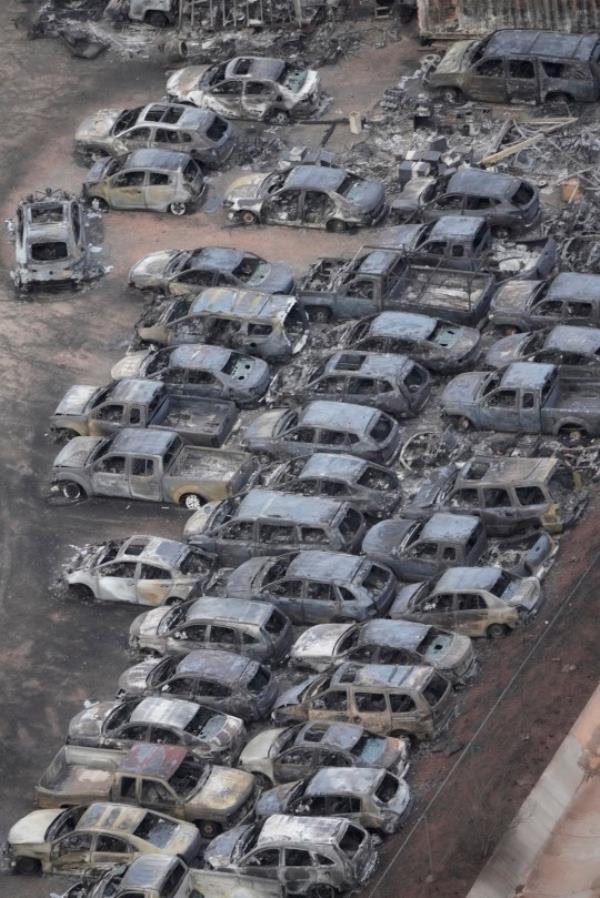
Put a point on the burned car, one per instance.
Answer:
(199, 369)
(303, 854)
(384, 642)
(527, 397)
(372, 797)
(311, 587)
(69, 841)
(510, 495)
(265, 521)
(475, 601)
(574, 350)
(307, 196)
(273, 327)
(51, 232)
(255, 629)
(206, 137)
(175, 271)
(393, 383)
(144, 570)
(207, 734)
(503, 200)
(440, 346)
(156, 180)
(150, 465)
(251, 87)
(374, 489)
(520, 66)
(218, 679)
(570, 298)
(323, 425)
(387, 699)
(158, 13)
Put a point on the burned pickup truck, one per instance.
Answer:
(527, 397)
(377, 280)
(145, 464)
(101, 411)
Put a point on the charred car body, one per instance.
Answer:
(570, 298)
(574, 350)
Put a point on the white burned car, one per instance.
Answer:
(144, 570)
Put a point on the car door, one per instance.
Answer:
(470, 614)
(126, 190)
(71, 852)
(499, 410)
(297, 870)
(226, 98)
(522, 81)
(297, 440)
(437, 609)
(317, 209)
(284, 208)
(193, 281)
(153, 584)
(420, 560)
(546, 312)
(486, 80)
(370, 708)
(258, 98)
(187, 638)
(262, 862)
(159, 190)
(136, 138)
(144, 478)
(158, 795)
(287, 595)
(108, 850)
(106, 419)
(295, 763)
(236, 542)
(332, 704)
(225, 638)
(116, 581)
(128, 734)
(445, 204)
(320, 602)
(275, 538)
(500, 513)
(109, 476)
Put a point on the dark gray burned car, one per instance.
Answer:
(503, 200)
(574, 350)
(374, 489)
(570, 298)
(322, 425)
(175, 271)
(207, 137)
(265, 522)
(439, 345)
(199, 369)
(208, 734)
(308, 196)
(313, 587)
(390, 382)
(372, 797)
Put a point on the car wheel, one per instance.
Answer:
(27, 865)
(208, 828)
(452, 95)
(322, 890)
(71, 491)
(336, 226)
(281, 117)
(158, 19)
(247, 218)
(178, 208)
(318, 314)
(496, 631)
(64, 435)
(81, 592)
(173, 600)
(463, 423)
(99, 205)
(559, 97)
(192, 501)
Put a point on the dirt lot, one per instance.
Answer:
(55, 653)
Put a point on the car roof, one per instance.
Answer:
(327, 464)
(498, 470)
(203, 356)
(529, 42)
(575, 286)
(452, 226)
(281, 828)
(135, 389)
(315, 177)
(393, 633)
(344, 781)
(227, 609)
(457, 578)
(260, 503)
(474, 180)
(330, 566)
(138, 439)
(402, 324)
(215, 258)
(377, 261)
(264, 68)
(409, 676)
(156, 548)
(567, 338)
(147, 871)
(224, 667)
(192, 117)
(175, 712)
(375, 364)
(338, 415)
(454, 527)
(243, 303)
(119, 818)
(335, 735)
(526, 375)
(165, 160)
(149, 759)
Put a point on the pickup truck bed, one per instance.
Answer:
(203, 422)
(453, 295)
(76, 775)
(196, 461)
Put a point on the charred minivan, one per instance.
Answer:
(273, 327)
(519, 65)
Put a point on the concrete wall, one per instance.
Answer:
(479, 17)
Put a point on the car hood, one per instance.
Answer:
(455, 59)
(76, 452)
(410, 197)
(76, 400)
(403, 599)
(134, 680)
(153, 265)
(505, 351)
(263, 425)
(278, 279)
(275, 801)
(463, 388)
(294, 694)
(130, 365)
(246, 188)
(97, 125)
(400, 237)
(386, 536)
(225, 790)
(259, 748)
(32, 828)
(372, 195)
(239, 582)
(198, 522)
(513, 296)
(147, 624)
(96, 172)
(89, 722)
(220, 852)
(185, 80)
